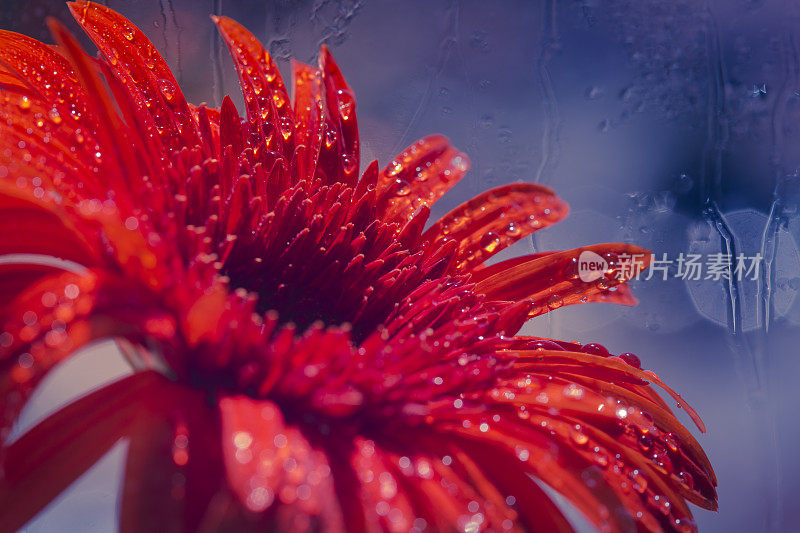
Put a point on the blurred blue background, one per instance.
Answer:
(671, 125)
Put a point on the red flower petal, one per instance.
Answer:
(340, 158)
(58, 315)
(28, 227)
(617, 294)
(174, 469)
(268, 107)
(309, 114)
(496, 219)
(49, 457)
(141, 69)
(418, 177)
(116, 154)
(552, 281)
(269, 463)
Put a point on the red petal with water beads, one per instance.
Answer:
(268, 106)
(9, 81)
(339, 159)
(418, 177)
(585, 375)
(48, 458)
(51, 123)
(541, 456)
(258, 447)
(615, 294)
(496, 219)
(309, 115)
(142, 70)
(116, 154)
(553, 280)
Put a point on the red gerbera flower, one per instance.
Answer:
(306, 354)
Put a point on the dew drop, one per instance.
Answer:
(402, 188)
(242, 439)
(459, 163)
(555, 301)
(631, 359)
(578, 436)
(662, 460)
(287, 127)
(349, 164)
(394, 168)
(600, 457)
(639, 481)
(330, 138)
(54, 115)
(573, 391)
(512, 230)
(167, 89)
(595, 349)
(546, 345)
(346, 105)
(490, 241)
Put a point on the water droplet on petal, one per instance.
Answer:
(346, 105)
(631, 359)
(595, 349)
(402, 188)
(490, 241)
(555, 301)
(167, 89)
(687, 479)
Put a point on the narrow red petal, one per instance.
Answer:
(268, 107)
(49, 457)
(309, 114)
(174, 468)
(141, 69)
(115, 153)
(553, 280)
(28, 228)
(496, 219)
(418, 177)
(340, 156)
(255, 442)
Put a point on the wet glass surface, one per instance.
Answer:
(671, 125)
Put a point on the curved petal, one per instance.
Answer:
(638, 444)
(271, 467)
(339, 159)
(27, 227)
(174, 469)
(615, 294)
(554, 280)
(58, 315)
(309, 114)
(47, 459)
(496, 219)
(419, 176)
(268, 107)
(142, 70)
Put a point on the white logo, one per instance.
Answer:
(591, 266)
